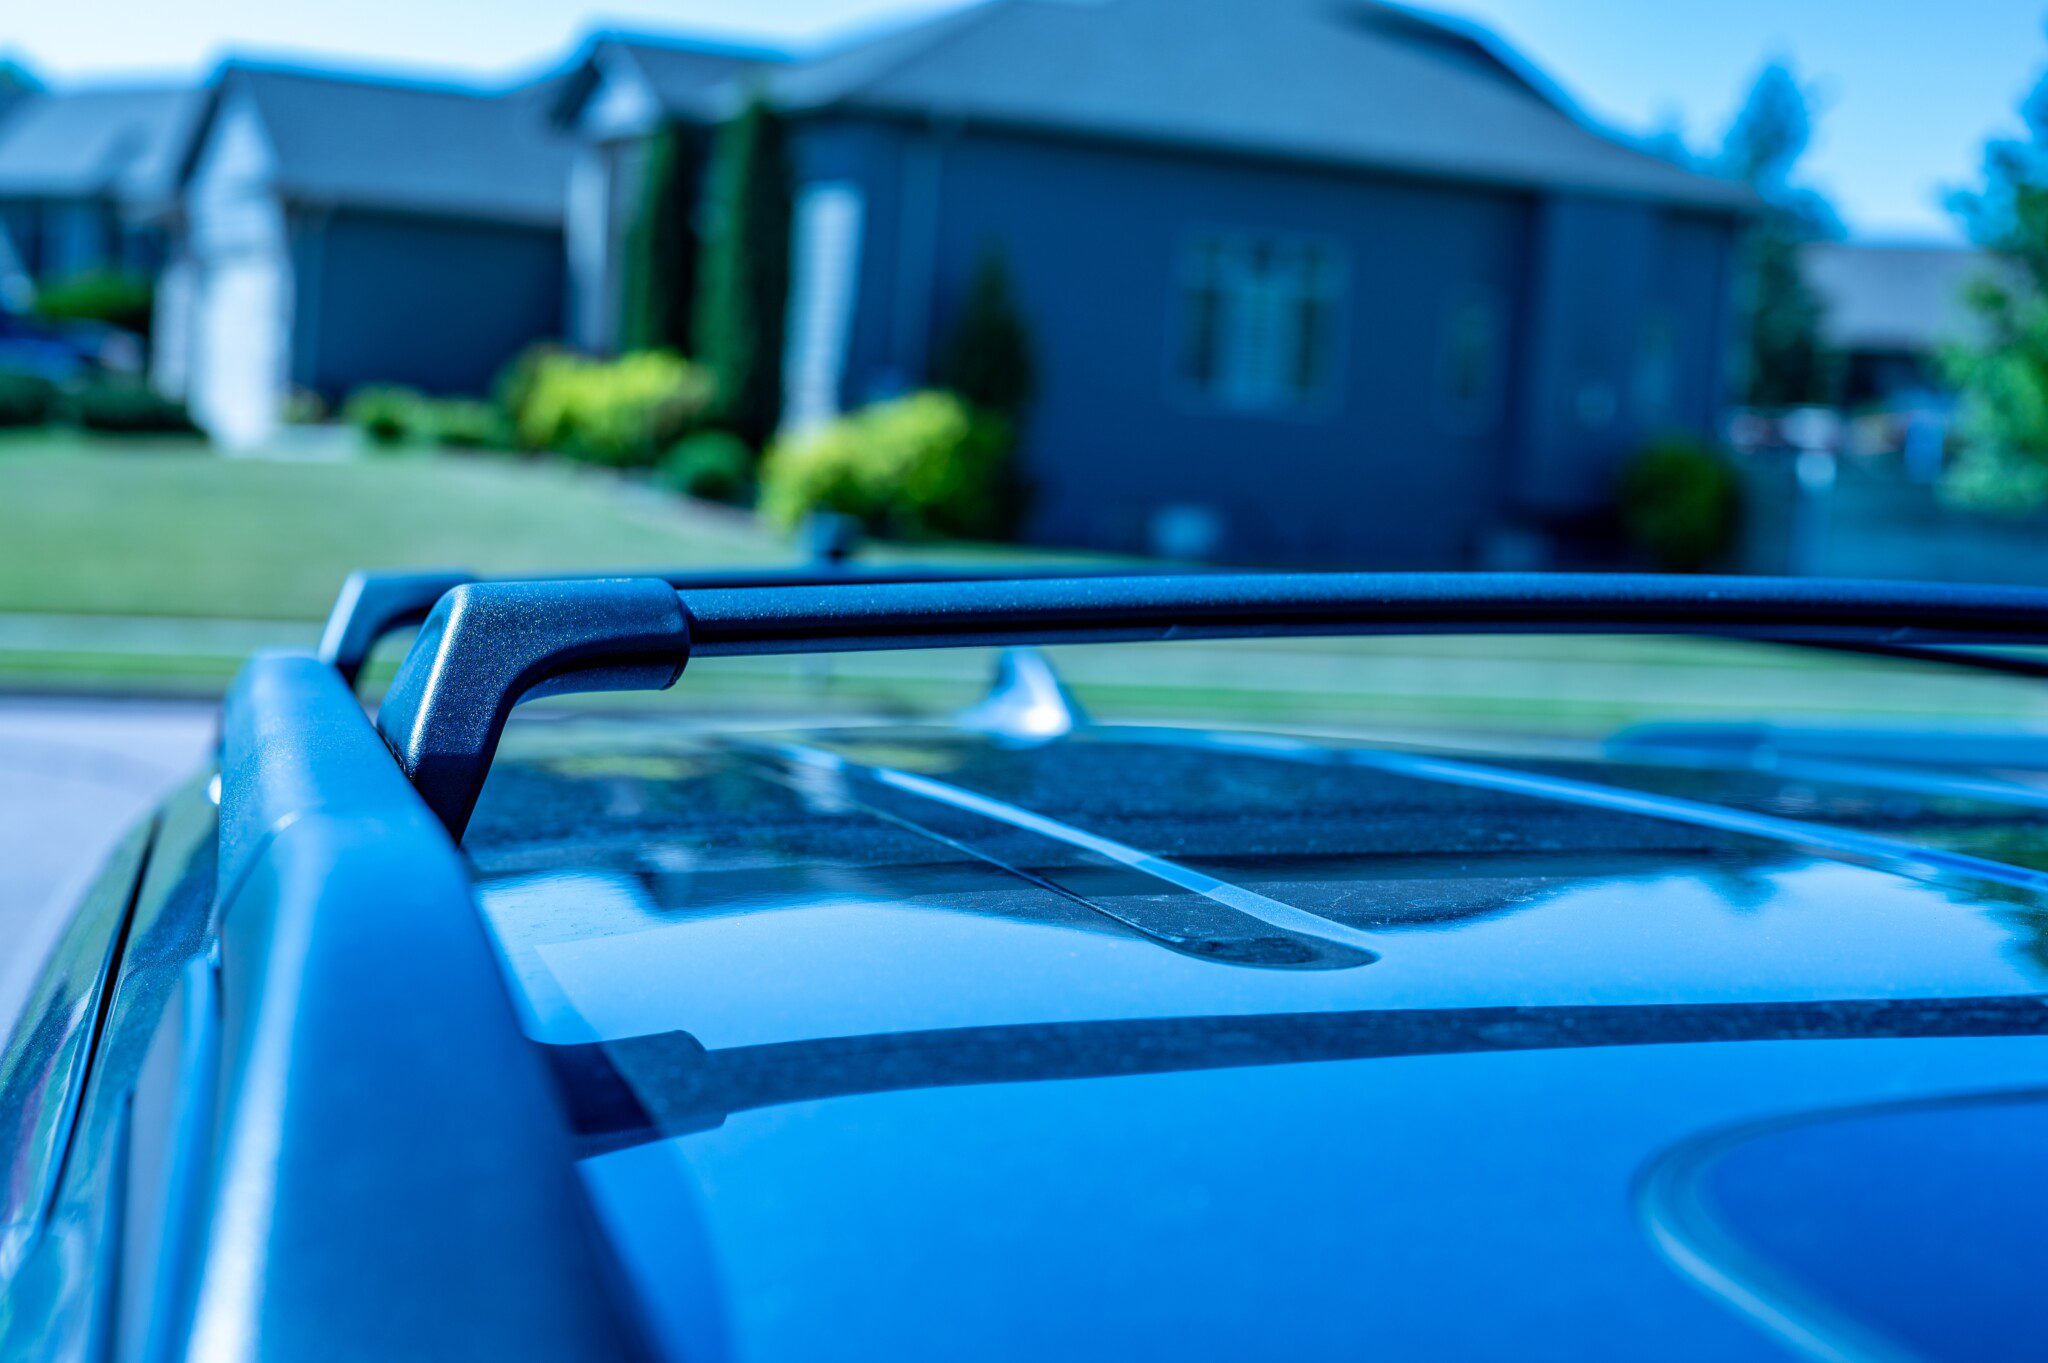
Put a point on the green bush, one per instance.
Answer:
(926, 464)
(114, 297)
(713, 466)
(304, 407)
(513, 388)
(1681, 503)
(126, 406)
(621, 413)
(386, 415)
(461, 424)
(26, 399)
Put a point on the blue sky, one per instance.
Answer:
(1910, 87)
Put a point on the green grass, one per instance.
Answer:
(157, 528)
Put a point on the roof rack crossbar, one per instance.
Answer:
(375, 604)
(486, 646)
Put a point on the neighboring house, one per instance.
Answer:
(336, 231)
(80, 172)
(1888, 310)
(1307, 280)
(614, 95)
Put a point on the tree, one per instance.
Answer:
(661, 248)
(2002, 375)
(986, 358)
(744, 281)
(1785, 361)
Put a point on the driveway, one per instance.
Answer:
(75, 775)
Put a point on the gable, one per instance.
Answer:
(232, 201)
(621, 102)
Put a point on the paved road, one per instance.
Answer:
(75, 775)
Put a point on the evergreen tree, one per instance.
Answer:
(2003, 374)
(1785, 361)
(986, 357)
(743, 286)
(661, 248)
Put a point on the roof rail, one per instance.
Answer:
(375, 604)
(487, 646)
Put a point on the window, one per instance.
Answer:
(1259, 319)
(1469, 366)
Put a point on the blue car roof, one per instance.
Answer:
(1215, 1043)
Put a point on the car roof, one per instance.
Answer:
(1324, 1037)
(1026, 1034)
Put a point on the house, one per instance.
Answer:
(1888, 308)
(614, 95)
(80, 171)
(332, 231)
(1309, 280)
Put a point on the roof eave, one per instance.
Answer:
(1715, 197)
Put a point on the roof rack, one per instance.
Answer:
(487, 646)
(375, 604)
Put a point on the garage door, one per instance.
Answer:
(238, 369)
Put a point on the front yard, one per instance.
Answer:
(170, 529)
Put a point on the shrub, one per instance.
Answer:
(1681, 503)
(713, 466)
(742, 289)
(513, 388)
(661, 245)
(926, 464)
(385, 414)
(986, 357)
(304, 407)
(26, 399)
(621, 413)
(114, 297)
(460, 424)
(127, 406)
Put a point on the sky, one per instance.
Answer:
(1907, 89)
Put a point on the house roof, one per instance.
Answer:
(1347, 81)
(675, 78)
(1894, 297)
(407, 146)
(690, 78)
(123, 142)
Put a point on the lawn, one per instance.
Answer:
(170, 529)
(159, 567)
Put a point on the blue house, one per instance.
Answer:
(1317, 281)
(334, 231)
(81, 172)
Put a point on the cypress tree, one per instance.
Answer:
(744, 279)
(661, 249)
(986, 357)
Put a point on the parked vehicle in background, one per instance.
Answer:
(63, 351)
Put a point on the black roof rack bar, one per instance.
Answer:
(486, 646)
(375, 604)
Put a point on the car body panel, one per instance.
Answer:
(1174, 1042)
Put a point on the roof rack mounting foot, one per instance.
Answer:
(372, 605)
(488, 646)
